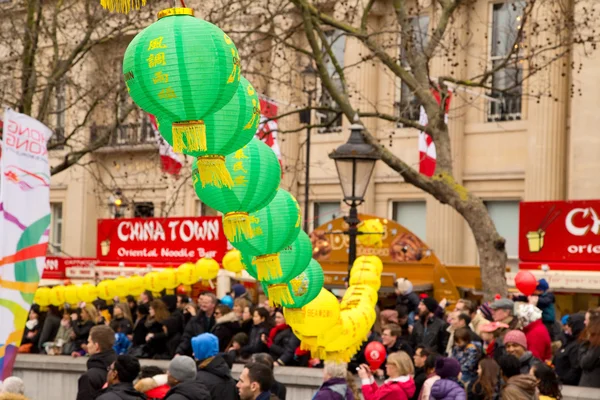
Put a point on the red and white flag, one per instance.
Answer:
(169, 160)
(427, 154)
(268, 128)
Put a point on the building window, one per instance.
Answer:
(56, 226)
(407, 104)
(337, 42)
(202, 210)
(505, 47)
(505, 215)
(57, 140)
(143, 210)
(324, 212)
(412, 215)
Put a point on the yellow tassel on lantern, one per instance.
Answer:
(237, 226)
(212, 171)
(122, 6)
(268, 267)
(280, 294)
(193, 131)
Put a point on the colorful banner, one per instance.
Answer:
(146, 240)
(24, 223)
(560, 231)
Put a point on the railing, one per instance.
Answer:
(125, 135)
(505, 107)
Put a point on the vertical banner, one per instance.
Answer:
(24, 223)
(427, 152)
(268, 128)
(169, 160)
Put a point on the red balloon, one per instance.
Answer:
(526, 283)
(375, 354)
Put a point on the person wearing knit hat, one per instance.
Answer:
(181, 376)
(515, 343)
(213, 370)
(429, 330)
(406, 296)
(449, 386)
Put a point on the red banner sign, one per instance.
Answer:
(171, 240)
(560, 231)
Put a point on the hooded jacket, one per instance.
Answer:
(446, 389)
(538, 340)
(408, 298)
(121, 391)
(90, 383)
(401, 388)
(155, 387)
(334, 389)
(214, 373)
(225, 328)
(566, 360)
(191, 390)
(520, 387)
(527, 361)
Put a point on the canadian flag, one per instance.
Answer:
(427, 154)
(268, 128)
(169, 160)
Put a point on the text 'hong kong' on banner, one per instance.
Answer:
(24, 225)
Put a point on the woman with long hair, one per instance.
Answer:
(281, 340)
(547, 382)
(156, 344)
(82, 325)
(400, 385)
(487, 385)
(261, 326)
(121, 321)
(589, 352)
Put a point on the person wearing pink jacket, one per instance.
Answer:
(400, 385)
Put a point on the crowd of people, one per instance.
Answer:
(511, 348)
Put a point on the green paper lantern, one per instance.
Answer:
(256, 174)
(301, 289)
(227, 131)
(293, 260)
(182, 69)
(274, 227)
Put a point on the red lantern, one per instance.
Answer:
(526, 283)
(375, 354)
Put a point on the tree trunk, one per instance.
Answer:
(490, 245)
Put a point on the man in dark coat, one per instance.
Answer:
(566, 360)
(421, 354)
(181, 376)
(429, 330)
(213, 371)
(463, 321)
(201, 322)
(277, 388)
(393, 341)
(102, 355)
(121, 375)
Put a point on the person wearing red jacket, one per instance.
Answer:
(400, 385)
(538, 338)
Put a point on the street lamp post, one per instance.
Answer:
(354, 161)
(309, 75)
